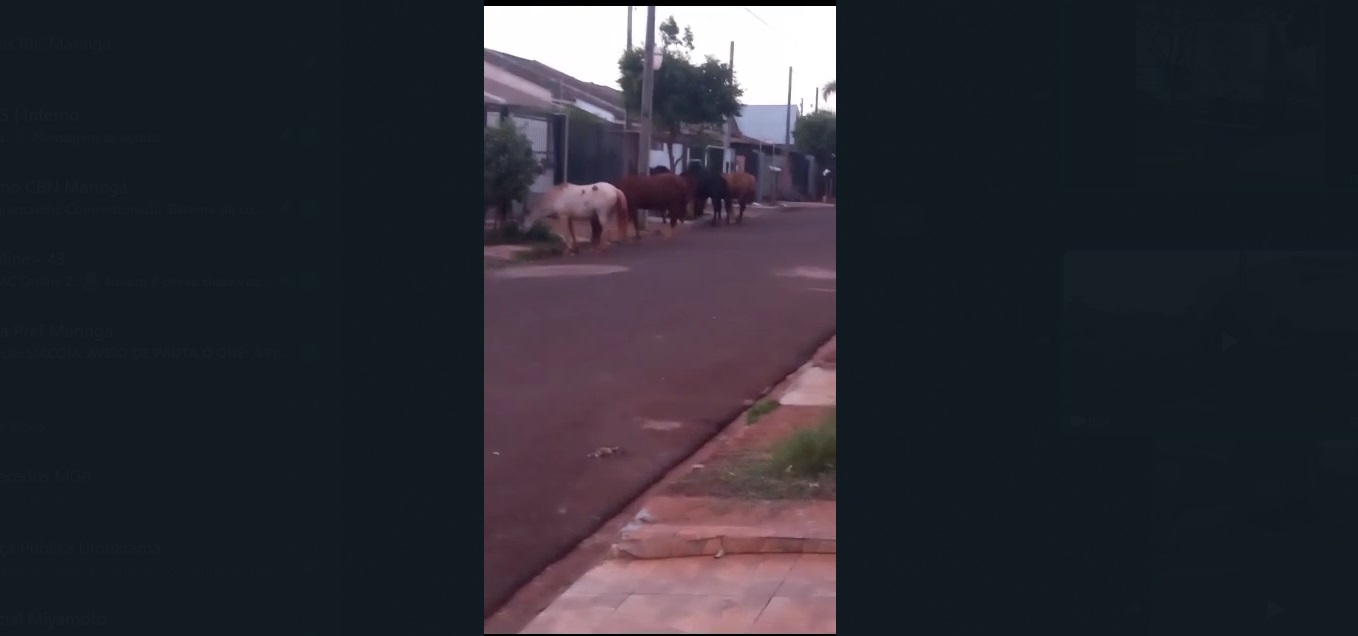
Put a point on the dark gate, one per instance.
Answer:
(713, 158)
(801, 171)
(594, 150)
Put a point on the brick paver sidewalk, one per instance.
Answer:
(742, 593)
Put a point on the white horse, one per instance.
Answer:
(568, 203)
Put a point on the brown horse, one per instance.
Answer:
(666, 192)
(740, 188)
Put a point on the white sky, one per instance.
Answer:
(586, 42)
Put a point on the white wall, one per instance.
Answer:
(533, 128)
(662, 157)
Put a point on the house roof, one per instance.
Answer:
(563, 86)
(500, 93)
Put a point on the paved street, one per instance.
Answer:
(651, 360)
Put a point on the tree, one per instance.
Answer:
(702, 94)
(829, 89)
(510, 168)
(814, 134)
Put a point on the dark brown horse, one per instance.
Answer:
(666, 192)
(704, 184)
(740, 188)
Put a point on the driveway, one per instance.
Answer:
(651, 352)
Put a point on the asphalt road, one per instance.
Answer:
(653, 360)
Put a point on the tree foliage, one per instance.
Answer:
(510, 167)
(814, 134)
(686, 93)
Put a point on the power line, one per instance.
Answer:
(756, 16)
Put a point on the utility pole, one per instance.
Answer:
(626, 114)
(728, 160)
(647, 100)
(787, 136)
(647, 93)
(817, 106)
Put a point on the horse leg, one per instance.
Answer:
(741, 216)
(570, 231)
(607, 222)
(596, 229)
(605, 231)
(716, 210)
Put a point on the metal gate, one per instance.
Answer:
(594, 150)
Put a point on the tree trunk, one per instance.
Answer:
(502, 212)
(669, 147)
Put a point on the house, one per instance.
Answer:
(769, 126)
(602, 149)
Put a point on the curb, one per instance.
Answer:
(640, 540)
(672, 541)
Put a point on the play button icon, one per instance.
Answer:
(1227, 341)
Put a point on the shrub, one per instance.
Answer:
(510, 168)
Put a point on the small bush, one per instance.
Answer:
(807, 452)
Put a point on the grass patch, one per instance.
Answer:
(808, 452)
(760, 410)
(800, 466)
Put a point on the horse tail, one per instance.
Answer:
(620, 210)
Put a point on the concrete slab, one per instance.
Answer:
(815, 387)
